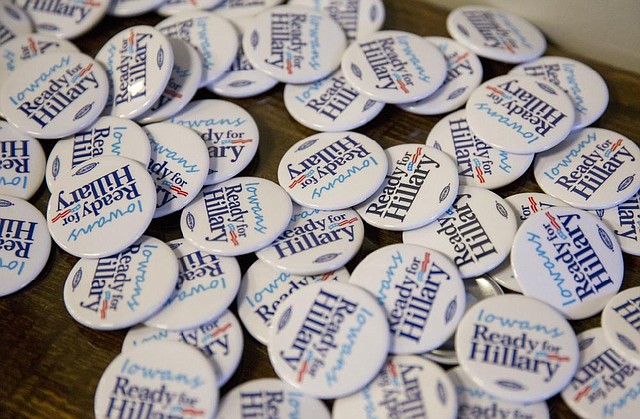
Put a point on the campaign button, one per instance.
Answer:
(620, 319)
(64, 18)
(13, 22)
(624, 221)
(22, 163)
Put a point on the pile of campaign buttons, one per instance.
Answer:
(132, 146)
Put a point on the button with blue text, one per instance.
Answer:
(14, 22)
(64, 19)
(620, 323)
(624, 221)
(22, 163)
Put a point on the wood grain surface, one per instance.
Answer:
(50, 365)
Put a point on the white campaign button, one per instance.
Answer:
(123, 289)
(219, 340)
(70, 88)
(139, 61)
(330, 171)
(624, 221)
(239, 9)
(523, 204)
(315, 241)
(586, 88)
(212, 36)
(174, 7)
(206, 286)
(228, 131)
(517, 348)
(473, 401)
(16, 53)
(569, 259)
(408, 386)
(520, 114)
(329, 339)
(263, 288)
(22, 163)
(26, 244)
(294, 44)
(620, 324)
(605, 383)
(496, 34)
(592, 169)
(161, 379)
(330, 104)
(108, 135)
(271, 395)
(476, 289)
(464, 74)
(421, 291)
(401, 202)
(242, 80)
(479, 164)
(179, 165)
(101, 207)
(476, 232)
(357, 18)
(394, 66)
(182, 86)
(127, 8)
(238, 216)
(64, 18)
(13, 22)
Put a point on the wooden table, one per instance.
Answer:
(50, 365)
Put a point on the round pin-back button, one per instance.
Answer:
(22, 163)
(238, 216)
(523, 204)
(25, 243)
(476, 289)
(179, 165)
(161, 379)
(520, 114)
(593, 168)
(620, 324)
(421, 291)
(330, 104)
(182, 85)
(586, 88)
(394, 67)
(212, 36)
(357, 19)
(206, 286)
(407, 386)
(476, 232)
(479, 164)
(496, 34)
(174, 7)
(294, 44)
(464, 74)
(102, 207)
(228, 131)
(517, 348)
(329, 339)
(123, 289)
(220, 340)
(254, 397)
(624, 221)
(64, 20)
(238, 9)
(315, 241)
(605, 381)
(127, 8)
(401, 202)
(569, 259)
(139, 62)
(242, 80)
(54, 96)
(21, 49)
(108, 135)
(263, 288)
(13, 22)
(330, 171)
(473, 401)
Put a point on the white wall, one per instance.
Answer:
(603, 30)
